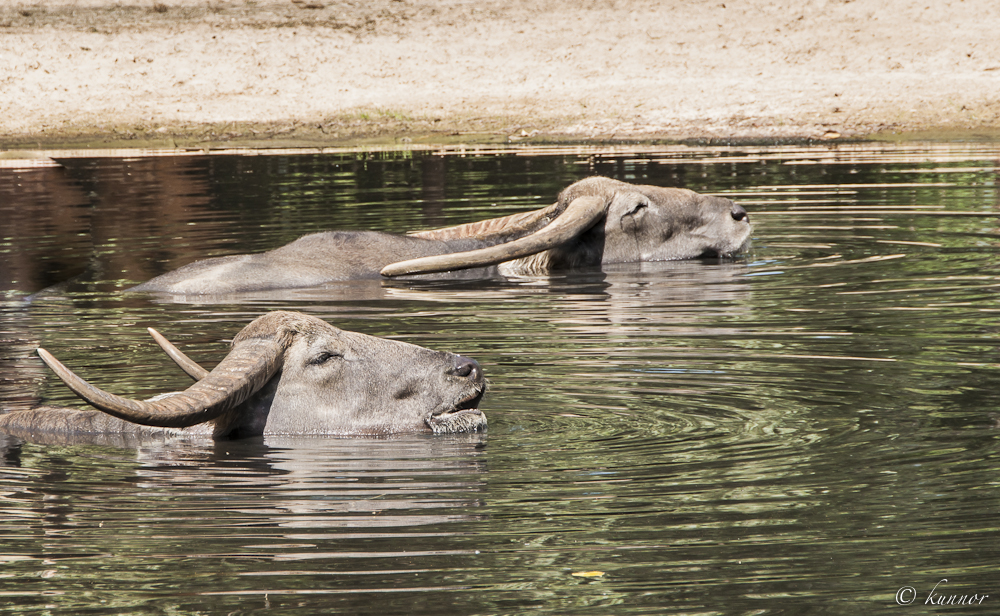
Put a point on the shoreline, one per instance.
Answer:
(254, 139)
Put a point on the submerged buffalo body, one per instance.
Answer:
(287, 373)
(594, 221)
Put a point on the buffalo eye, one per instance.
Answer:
(323, 357)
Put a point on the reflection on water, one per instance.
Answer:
(243, 517)
(813, 427)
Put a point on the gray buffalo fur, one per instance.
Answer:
(321, 380)
(640, 223)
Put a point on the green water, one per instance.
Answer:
(810, 430)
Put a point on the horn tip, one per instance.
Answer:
(49, 359)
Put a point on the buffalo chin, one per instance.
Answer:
(742, 250)
(458, 420)
(745, 248)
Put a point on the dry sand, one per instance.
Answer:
(193, 72)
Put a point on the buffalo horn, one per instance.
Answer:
(579, 215)
(245, 370)
(184, 362)
(487, 228)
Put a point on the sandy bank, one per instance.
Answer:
(185, 72)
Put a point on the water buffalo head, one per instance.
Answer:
(289, 373)
(596, 220)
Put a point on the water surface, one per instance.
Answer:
(808, 430)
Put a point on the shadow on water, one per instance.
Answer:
(809, 430)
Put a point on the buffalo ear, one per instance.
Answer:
(581, 214)
(639, 206)
(628, 208)
(633, 203)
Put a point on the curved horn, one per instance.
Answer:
(245, 370)
(486, 228)
(579, 215)
(183, 362)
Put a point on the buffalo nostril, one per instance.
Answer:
(468, 367)
(738, 213)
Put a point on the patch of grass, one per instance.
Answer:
(380, 114)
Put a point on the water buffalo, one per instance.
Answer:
(287, 373)
(594, 221)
